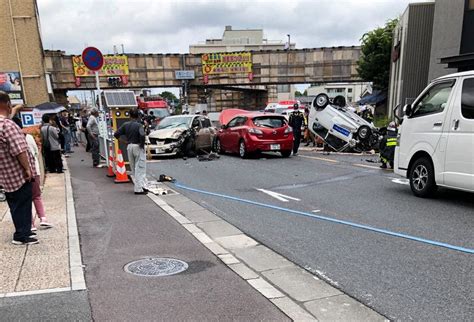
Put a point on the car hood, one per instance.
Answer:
(229, 114)
(172, 133)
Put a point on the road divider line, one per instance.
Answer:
(318, 158)
(333, 220)
(366, 166)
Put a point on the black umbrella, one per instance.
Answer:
(49, 108)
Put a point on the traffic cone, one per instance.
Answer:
(110, 170)
(121, 175)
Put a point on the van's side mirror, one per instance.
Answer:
(407, 110)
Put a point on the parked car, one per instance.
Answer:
(436, 137)
(248, 132)
(339, 127)
(181, 133)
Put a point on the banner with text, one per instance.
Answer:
(114, 65)
(226, 63)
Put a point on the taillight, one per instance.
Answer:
(288, 130)
(255, 131)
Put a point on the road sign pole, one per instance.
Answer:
(103, 114)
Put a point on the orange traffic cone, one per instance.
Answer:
(110, 170)
(121, 175)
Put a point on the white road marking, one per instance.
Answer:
(368, 166)
(278, 196)
(316, 210)
(400, 181)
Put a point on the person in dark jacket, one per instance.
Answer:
(387, 146)
(296, 121)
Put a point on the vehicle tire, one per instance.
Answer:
(243, 150)
(321, 101)
(422, 179)
(364, 132)
(217, 146)
(286, 153)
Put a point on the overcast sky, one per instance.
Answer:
(152, 26)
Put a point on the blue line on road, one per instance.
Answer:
(343, 222)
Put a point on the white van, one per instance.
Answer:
(436, 138)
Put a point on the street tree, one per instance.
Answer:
(374, 62)
(170, 97)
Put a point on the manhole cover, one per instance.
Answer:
(156, 267)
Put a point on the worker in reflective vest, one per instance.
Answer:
(387, 146)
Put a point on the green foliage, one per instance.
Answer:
(168, 96)
(381, 121)
(374, 63)
(298, 93)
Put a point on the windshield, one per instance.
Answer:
(159, 112)
(173, 122)
(269, 121)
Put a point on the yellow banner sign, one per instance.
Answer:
(114, 65)
(226, 63)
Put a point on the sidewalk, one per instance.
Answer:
(117, 227)
(45, 266)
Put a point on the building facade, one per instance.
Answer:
(238, 40)
(432, 39)
(22, 71)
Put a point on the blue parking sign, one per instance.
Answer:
(27, 119)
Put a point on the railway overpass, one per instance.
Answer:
(296, 66)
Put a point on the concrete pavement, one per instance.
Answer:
(117, 227)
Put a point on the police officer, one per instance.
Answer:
(387, 146)
(296, 121)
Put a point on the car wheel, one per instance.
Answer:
(321, 101)
(243, 150)
(422, 180)
(286, 153)
(364, 132)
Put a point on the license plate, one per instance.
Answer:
(274, 146)
(158, 150)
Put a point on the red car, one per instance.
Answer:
(247, 132)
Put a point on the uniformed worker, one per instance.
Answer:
(296, 121)
(387, 146)
(135, 138)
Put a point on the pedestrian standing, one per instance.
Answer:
(93, 130)
(296, 121)
(36, 189)
(51, 144)
(16, 174)
(84, 120)
(73, 130)
(66, 131)
(135, 137)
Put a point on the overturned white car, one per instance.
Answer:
(339, 127)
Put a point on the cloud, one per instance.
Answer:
(171, 26)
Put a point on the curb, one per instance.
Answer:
(298, 293)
